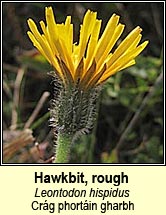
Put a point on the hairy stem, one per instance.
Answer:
(63, 148)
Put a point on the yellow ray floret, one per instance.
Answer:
(91, 61)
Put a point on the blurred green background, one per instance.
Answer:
(129, 127)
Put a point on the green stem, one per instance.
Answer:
(63, 148)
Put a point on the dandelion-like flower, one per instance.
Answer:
(82, 67)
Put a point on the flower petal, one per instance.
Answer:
(117, 33)
(124, 45)
(85, 32)
(123, 62)
(88, 75)
(106, 37)
(96, 78)
(92, 45)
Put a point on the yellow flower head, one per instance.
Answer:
(90, 62)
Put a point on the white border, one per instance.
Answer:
(1, 164)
